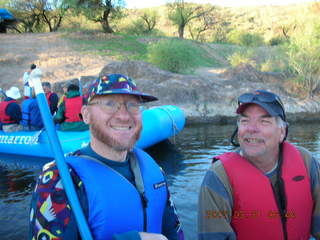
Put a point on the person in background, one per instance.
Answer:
(63, 96)
(10, 112)
(86, 88)
(31, 116)
(52, 97)
(2, 95)
(268, 188)
(27, 88)
(68, 114)
(122, 190)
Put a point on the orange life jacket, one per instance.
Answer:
(73, 109)
(255, 211)
(4, 117)
(48, 95)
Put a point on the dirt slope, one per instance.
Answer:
(50, 52)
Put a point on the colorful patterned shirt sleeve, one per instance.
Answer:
(50, 214)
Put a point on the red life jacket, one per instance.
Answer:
(48, 95)
(4, 118)
(255, 211)
(73, 109)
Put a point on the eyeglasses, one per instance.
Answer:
(114, 106)
(260, 96)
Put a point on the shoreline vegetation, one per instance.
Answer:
(226, 51)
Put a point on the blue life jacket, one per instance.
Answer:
(31, 113)
(115, 205)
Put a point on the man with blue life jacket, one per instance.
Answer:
(122, 191)
(52, 98)
(31, 116)
(10, 111)
(268, 188)
(69, 111)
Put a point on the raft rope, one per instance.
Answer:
(35, 137)
(175, 128)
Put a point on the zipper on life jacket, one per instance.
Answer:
(144, 202)
(281, 200)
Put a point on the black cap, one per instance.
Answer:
(33, 66)
(267, 100)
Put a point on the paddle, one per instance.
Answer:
(80, 86)
(59, 157)
(3, 93)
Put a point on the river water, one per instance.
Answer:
(185, 160)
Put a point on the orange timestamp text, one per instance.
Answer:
(245, 214)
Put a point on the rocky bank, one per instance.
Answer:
(208, 95)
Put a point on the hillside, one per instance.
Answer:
(59, 58)
(52, 53)
(209, 95)
(270, 21)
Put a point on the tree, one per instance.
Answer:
(150, 18)
(144, 23)
(4, 3)
(205, 23)
(181, 14)
(100, 11)
(33, 15)
(53, 13)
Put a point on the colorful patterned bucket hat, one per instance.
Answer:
(116, 84)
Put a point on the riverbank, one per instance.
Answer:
(212, 98)
(207, 96)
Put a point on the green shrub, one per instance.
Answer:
(175, 55)
(277, 41)
(219, 36)
(304, 57)
(242, 57)
(277, 63)
(137, 27)
(245, 39)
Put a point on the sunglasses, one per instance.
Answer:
(260, 96)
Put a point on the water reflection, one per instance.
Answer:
(14, 184)
(307, 136)
(185, 160)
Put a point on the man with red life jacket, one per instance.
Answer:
(52, 97)
(268, 188)
(68, 114)
(10, 112)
